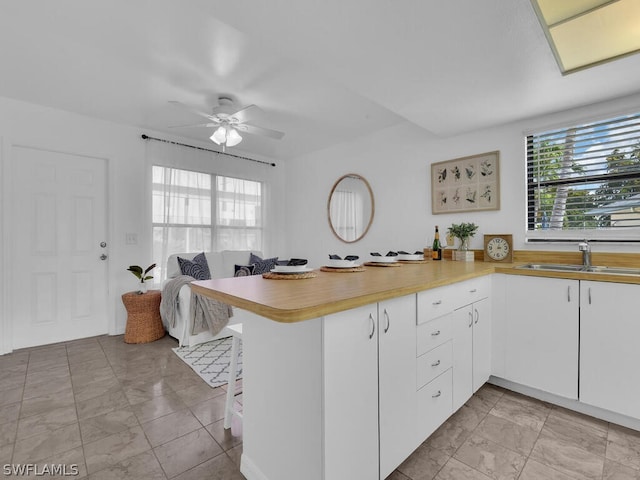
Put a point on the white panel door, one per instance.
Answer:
(59, 282)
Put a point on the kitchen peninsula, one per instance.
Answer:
(346, 374)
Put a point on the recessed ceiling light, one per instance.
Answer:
(585, 33)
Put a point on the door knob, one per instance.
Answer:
(103, 244)
(103, 257)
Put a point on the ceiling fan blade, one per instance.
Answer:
(194, 125)
(246, 113)
(192, 109)
(265, 132)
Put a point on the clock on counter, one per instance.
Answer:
(498, 248)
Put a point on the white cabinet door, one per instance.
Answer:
(471, 350)
(482, 317)
(541, 348)
(462, 355)
(397, 381)
(609, 353)
(350, 343)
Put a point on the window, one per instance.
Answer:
(585, 177)
(195, 212)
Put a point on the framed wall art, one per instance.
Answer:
(466, 184)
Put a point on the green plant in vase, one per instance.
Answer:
(142, 275)
(463, 232)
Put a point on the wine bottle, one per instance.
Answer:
(436, 253)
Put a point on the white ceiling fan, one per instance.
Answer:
(228, 120)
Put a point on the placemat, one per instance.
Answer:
(288, 276)
(343, 270)
(374, 264)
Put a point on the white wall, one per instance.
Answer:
(128, 190)
(396, 162)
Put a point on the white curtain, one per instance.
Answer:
(347, 214)
(205, 201)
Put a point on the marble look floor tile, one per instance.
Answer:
(525, 413)
(157, 407)
(89, 366)
(486, 397)
(209, 411)
(138, 392)
(46, 403)
(12, 380)
(171, 426)
(113, 400)
(587, 437)
(5, 454)
(228, 438)
(72, 459)
(567, 458)
(490, 458)
(218, 468)
(537, 471)
(579, 418)
(9, 413)
(424, 463)
(180, 382)
(507, 434)
(448, 437)
(39, 447)
(235, 454)
(115, 448)
(8, 432)
(616, 471)
(143, 466)
(11, 395)
(60, 372)
(184, 453)
(102, 426)
(396, 475)
(199, 393)
(97, 388)
(46, 422)
(455, 470)
(13, 359)
(47, 387)
(623, 446)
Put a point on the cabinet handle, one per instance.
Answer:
(436, 333)
(437, 394)
(470, 319)
(473, 291)
(569, 293)
(477, 315)
(373, 326)
(386, 315)
(589, 295)
(436, 363)
(437, 302)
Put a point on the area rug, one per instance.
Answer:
(211, 360)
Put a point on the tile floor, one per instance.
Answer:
(121, 411)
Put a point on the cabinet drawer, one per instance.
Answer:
(435, 303)
(433, 363)
(473, 290)
(433, 333)
(435, 404)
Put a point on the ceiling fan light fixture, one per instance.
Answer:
(219, 136)
(233, 137)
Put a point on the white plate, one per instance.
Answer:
(289, 268)
(341, 263)
(375, 259)
(410, 256)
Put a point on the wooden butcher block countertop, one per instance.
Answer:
(296, 300)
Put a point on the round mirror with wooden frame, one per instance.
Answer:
(350, 208)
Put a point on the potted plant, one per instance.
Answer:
(463, 232)
(142, 275)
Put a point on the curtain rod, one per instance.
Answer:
(147, 137)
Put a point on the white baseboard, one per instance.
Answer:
(568, 403)
(249, 469)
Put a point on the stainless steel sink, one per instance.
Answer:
(553, 267)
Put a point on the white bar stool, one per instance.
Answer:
(229, 411)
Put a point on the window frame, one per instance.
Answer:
(630, 234)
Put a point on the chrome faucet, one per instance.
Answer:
(585, 248)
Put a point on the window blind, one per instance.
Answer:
(585, 177)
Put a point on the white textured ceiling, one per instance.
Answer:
(323, 71)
